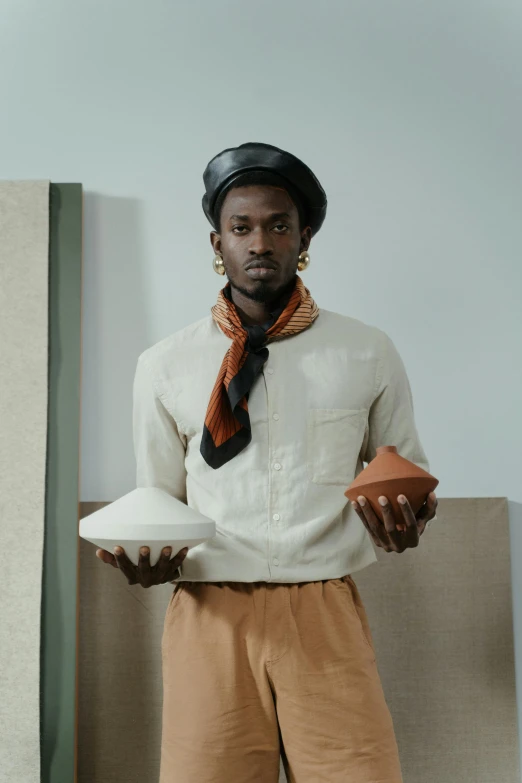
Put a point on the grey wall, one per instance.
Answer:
(410, 114)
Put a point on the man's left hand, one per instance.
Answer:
(396, 535)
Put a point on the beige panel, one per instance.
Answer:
(442, 624)
(441, 617)
(24, 280)
(120, 686)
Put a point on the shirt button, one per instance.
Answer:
(276, 416)
(276, 517)
(270, 371)
(277, 466)
(275, 561)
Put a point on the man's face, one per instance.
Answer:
(260, 240)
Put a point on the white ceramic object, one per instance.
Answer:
(147, 516)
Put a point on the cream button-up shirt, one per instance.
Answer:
(326, 399)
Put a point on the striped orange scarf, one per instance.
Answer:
(227, 423)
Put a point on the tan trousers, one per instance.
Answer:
(252, 671)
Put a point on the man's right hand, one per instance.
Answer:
(144, 574)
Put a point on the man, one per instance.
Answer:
(260, 416)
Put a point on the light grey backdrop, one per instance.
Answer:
(409, 113)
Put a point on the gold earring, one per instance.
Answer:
(219, 266)
(304, 261)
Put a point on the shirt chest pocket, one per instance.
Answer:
(334, 440)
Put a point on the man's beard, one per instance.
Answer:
(262, 291)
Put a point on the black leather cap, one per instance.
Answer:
(228, 165)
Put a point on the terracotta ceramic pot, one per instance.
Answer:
(391, 475)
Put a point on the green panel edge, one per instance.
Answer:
(60, 561)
